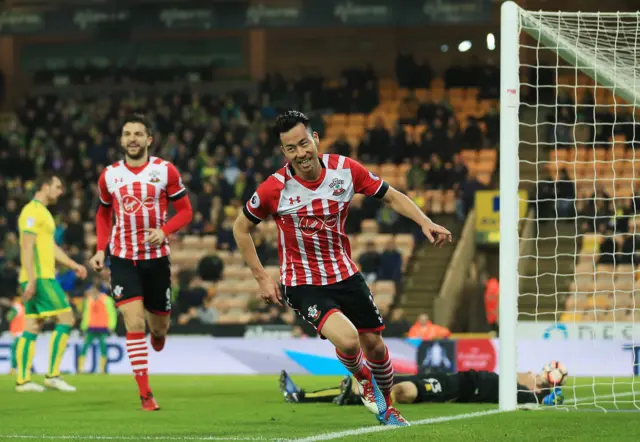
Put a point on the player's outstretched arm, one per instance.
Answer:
(64, 259)
(402, 204)
(269, 290)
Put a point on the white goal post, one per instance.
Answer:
(597, 55)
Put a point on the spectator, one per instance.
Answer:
(390, 266)
(387, 219)
(397, 322)
(10, 214)
(491, 302)
(226, 240)
(11, 247)
(369, 262)
(341, 146)
(467, 195)
(8, 278)
(416, 176)
(459, 170)
(426, 330)
(610, 248)
(565, 195)
(74, 231)
(408, 109)
(198, 225)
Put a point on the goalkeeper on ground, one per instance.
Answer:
(99, 319)
(462, 387)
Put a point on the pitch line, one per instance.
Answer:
(367, 430)
(319, 437)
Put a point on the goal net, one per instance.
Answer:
(570, 123)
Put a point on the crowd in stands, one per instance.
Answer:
(433, 139)
(590, 183)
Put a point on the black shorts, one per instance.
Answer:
(352, 297)
(146, 280)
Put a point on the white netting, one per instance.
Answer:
(579, 262)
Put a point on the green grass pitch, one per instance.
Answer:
(251, 408)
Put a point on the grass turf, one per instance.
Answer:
(251, 408)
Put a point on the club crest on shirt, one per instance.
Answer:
(313, 312)
(154, 176)
(338, 186)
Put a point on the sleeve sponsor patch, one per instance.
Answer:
(254, 202)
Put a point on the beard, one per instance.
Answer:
(142, 151)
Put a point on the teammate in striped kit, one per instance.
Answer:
(309, 199)
(138, 191)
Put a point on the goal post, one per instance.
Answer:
(576, 131)
(509, 203)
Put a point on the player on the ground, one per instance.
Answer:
(99, 319)
(462, 387)
(309, 199)
(138, 190)
(41, 293)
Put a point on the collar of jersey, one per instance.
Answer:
(136, 169)
(313, 185)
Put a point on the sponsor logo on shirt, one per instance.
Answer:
(132, 204)
(310, 225)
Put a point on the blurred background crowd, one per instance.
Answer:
(420, 111)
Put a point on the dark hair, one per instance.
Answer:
(290, 119)
(139, 118)
(45, 178)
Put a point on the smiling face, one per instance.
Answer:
(300, 148)
(135, 140)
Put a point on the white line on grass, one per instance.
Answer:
(366, 430)
(148, 438)
(318, 437)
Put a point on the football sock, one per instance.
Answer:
(14, 359)
(354, 364)
(324, 395)
(87, 343)
(57, 347)
(383, 373)
(102, 340)
(138, 357)
(25, 351)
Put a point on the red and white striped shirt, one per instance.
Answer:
(313, 248)
(140, 197)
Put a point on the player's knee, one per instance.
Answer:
(32, 326)
(67, 318)
(135, 323)
(159, 329)
(348, 343)
(373, 346)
